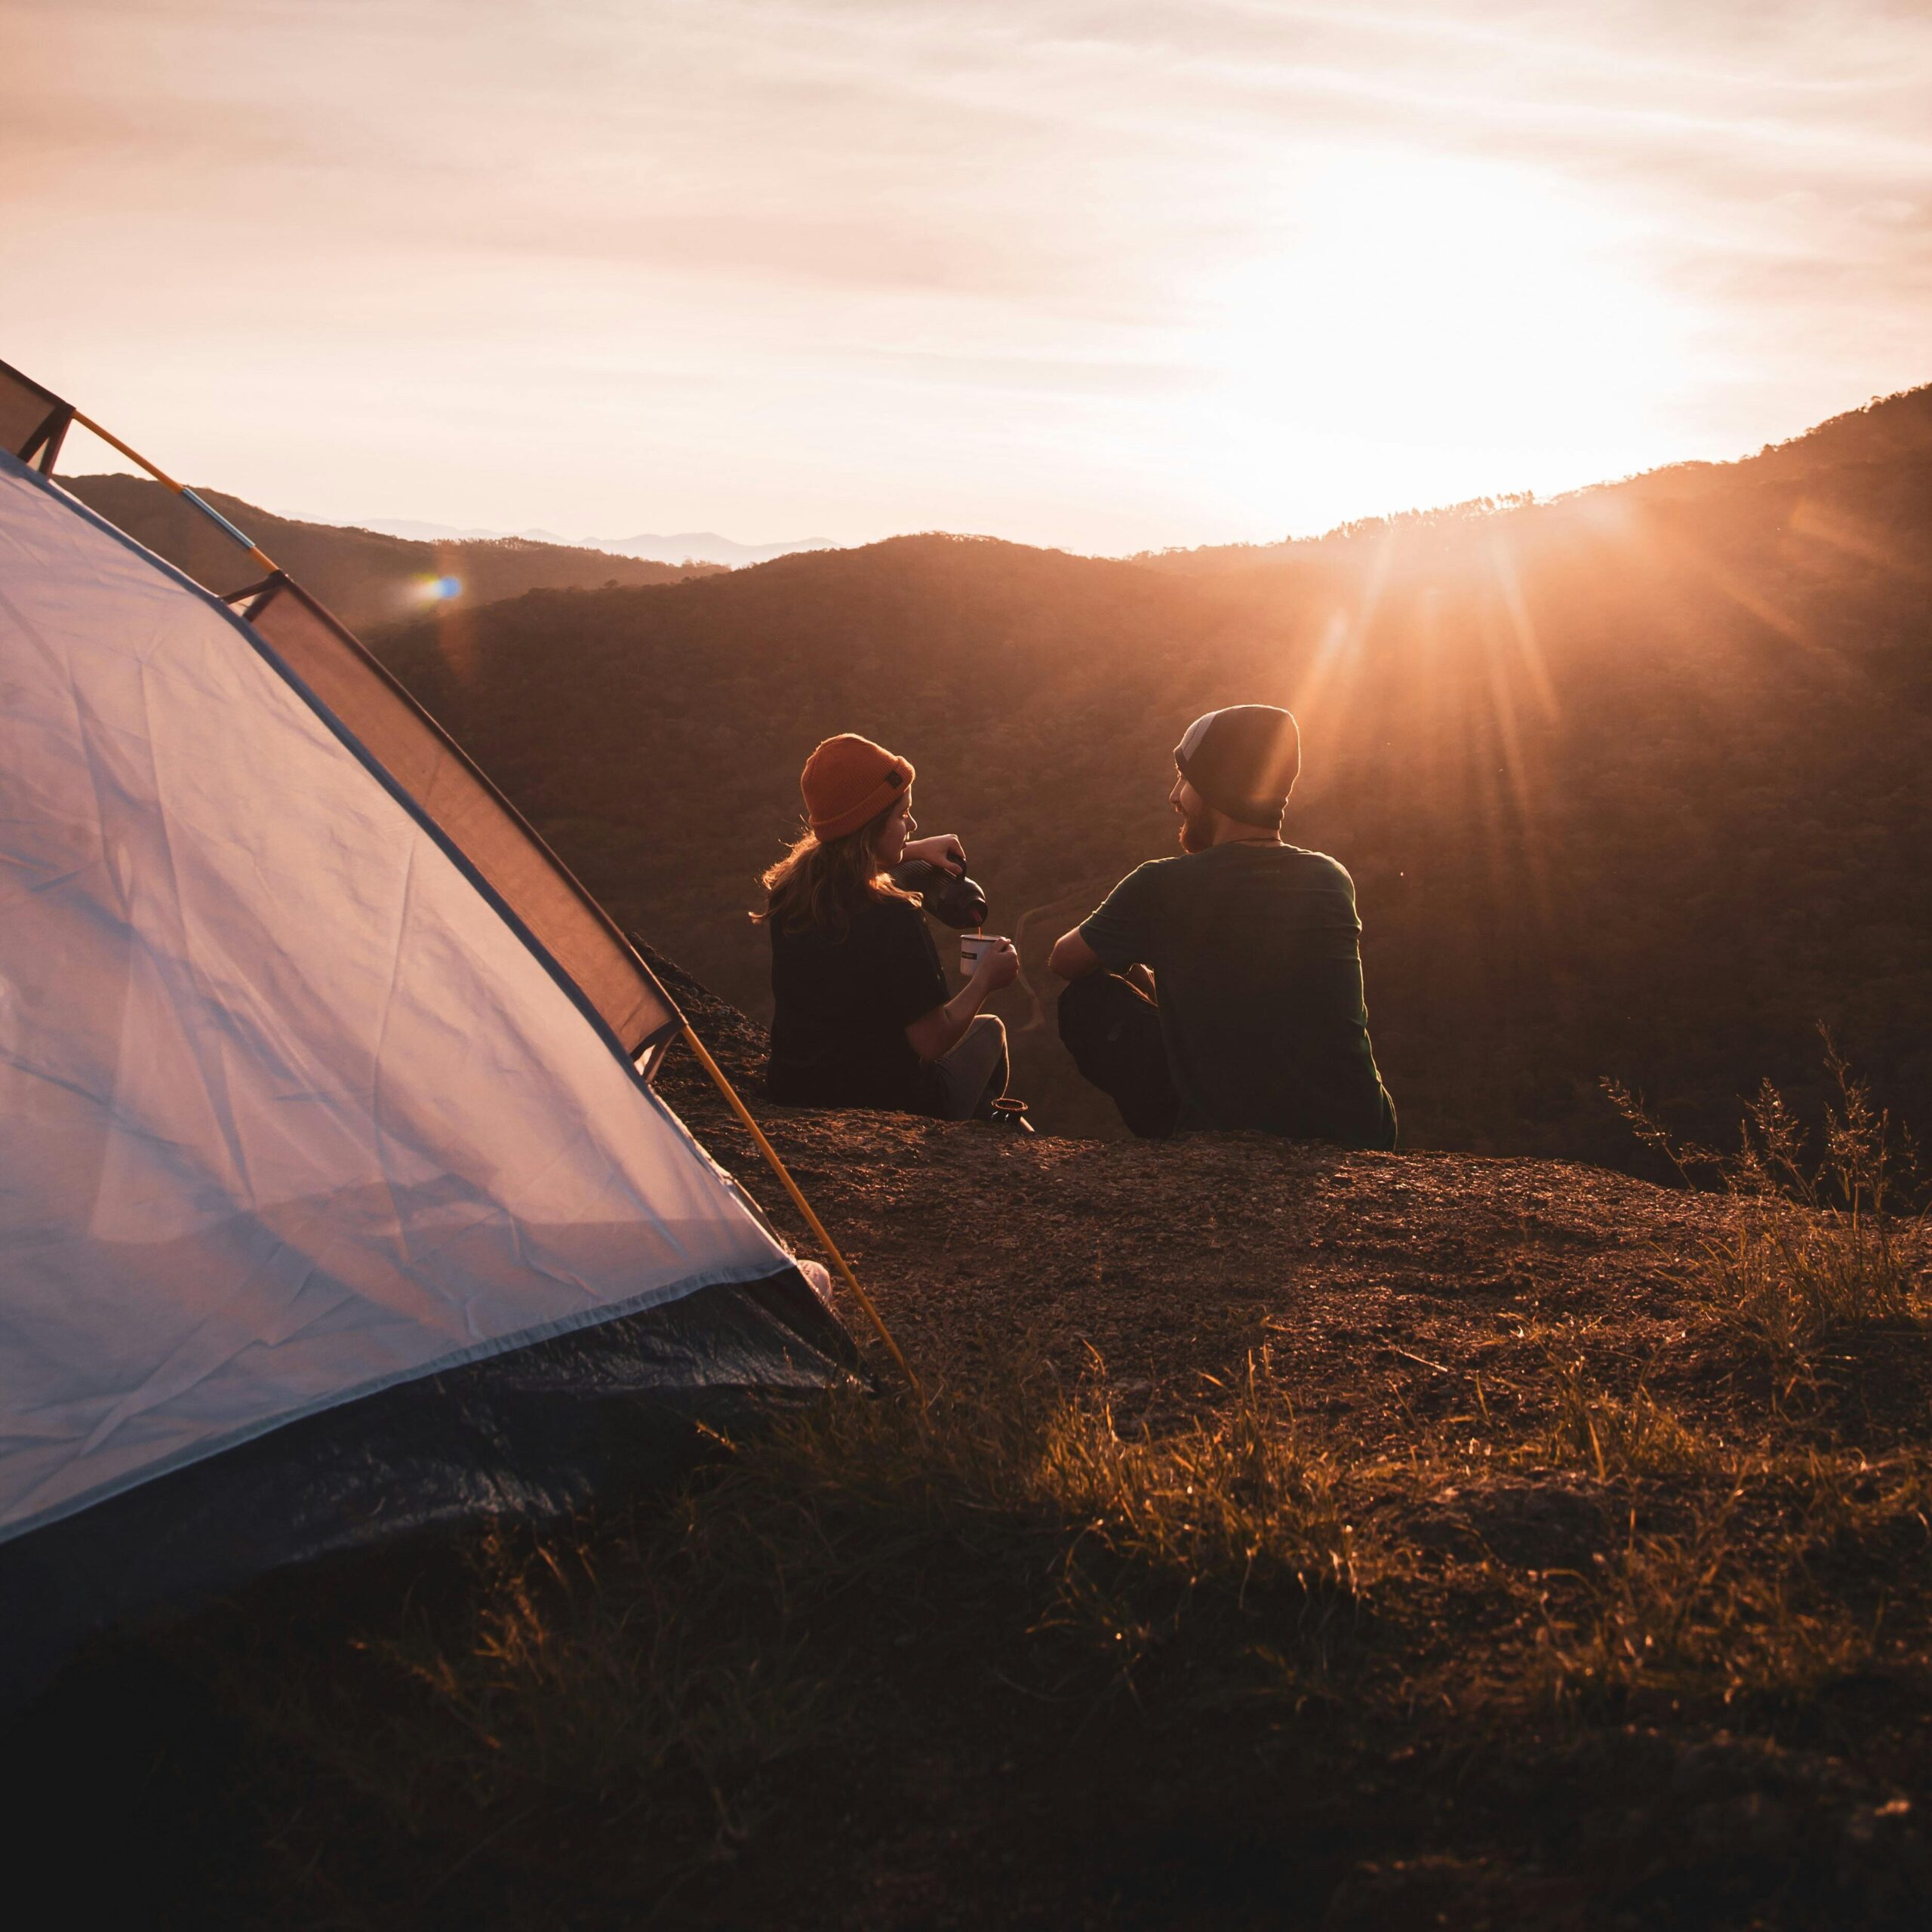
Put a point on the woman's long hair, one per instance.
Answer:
(823, 882)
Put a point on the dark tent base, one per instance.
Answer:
(536, 1432)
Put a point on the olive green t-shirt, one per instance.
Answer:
(1256, 957)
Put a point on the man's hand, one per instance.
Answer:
(942, 850)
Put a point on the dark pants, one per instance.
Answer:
(1113, 1029)
(974, 1074)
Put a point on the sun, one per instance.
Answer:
(1428, 318)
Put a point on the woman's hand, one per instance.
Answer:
(998, 966)
(941, 850)
(934, 1035)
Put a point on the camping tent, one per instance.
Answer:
(336, 1199)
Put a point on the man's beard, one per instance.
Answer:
(1196, 834)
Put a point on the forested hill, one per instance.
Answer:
(1638, 784)
(364, 577)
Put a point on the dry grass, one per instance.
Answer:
(662, 1686)
(673, 1658)
(1825, 1224)
(603, 1667)
(1705, 1613)
(1572, 1539)
(1128, 1537)
(1588, 1428)
(1790, 1277)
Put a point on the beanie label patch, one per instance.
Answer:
(1191, 738)
(849, 779)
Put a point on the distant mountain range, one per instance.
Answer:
(688, 546)
(366, 577)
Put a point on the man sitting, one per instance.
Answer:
(1223, 989)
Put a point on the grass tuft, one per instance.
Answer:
(1697, 1614)
(1126, 1537)
(1590, 1429)
(1821, 1238)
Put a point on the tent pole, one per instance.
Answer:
(161, 475)
(803, 1206)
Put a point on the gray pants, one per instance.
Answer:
(974, 1072)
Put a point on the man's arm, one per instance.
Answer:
(1121, 931)
(1072, 957)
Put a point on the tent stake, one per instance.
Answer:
(803, 1206)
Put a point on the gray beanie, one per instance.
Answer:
(1244, 761)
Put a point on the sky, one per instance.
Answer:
(1104, 276)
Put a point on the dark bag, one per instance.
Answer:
(1113, 1029)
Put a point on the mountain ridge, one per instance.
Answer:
(365, 577)
(1889, 428)
(701, 546)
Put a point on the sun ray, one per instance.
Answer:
(1502, 567)
(1821, 524)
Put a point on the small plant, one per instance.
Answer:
(1609, 1435)
(1233, 1508)
(1819, 1237)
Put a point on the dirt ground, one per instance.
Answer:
(1379, 1283)
(1639, 1636)
(1399, 1300)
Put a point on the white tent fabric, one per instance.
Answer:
(290, 1113)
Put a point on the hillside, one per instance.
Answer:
(1296, 1539)
(365, 577)
(1634, 785)
(1859, 452)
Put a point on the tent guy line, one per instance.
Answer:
(804, 1207)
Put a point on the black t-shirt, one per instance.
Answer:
(841, 1006)
(1257, 965)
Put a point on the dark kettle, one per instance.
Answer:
(958, 902)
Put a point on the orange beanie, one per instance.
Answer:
(848, 781)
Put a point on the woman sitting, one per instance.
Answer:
(862, 1015)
